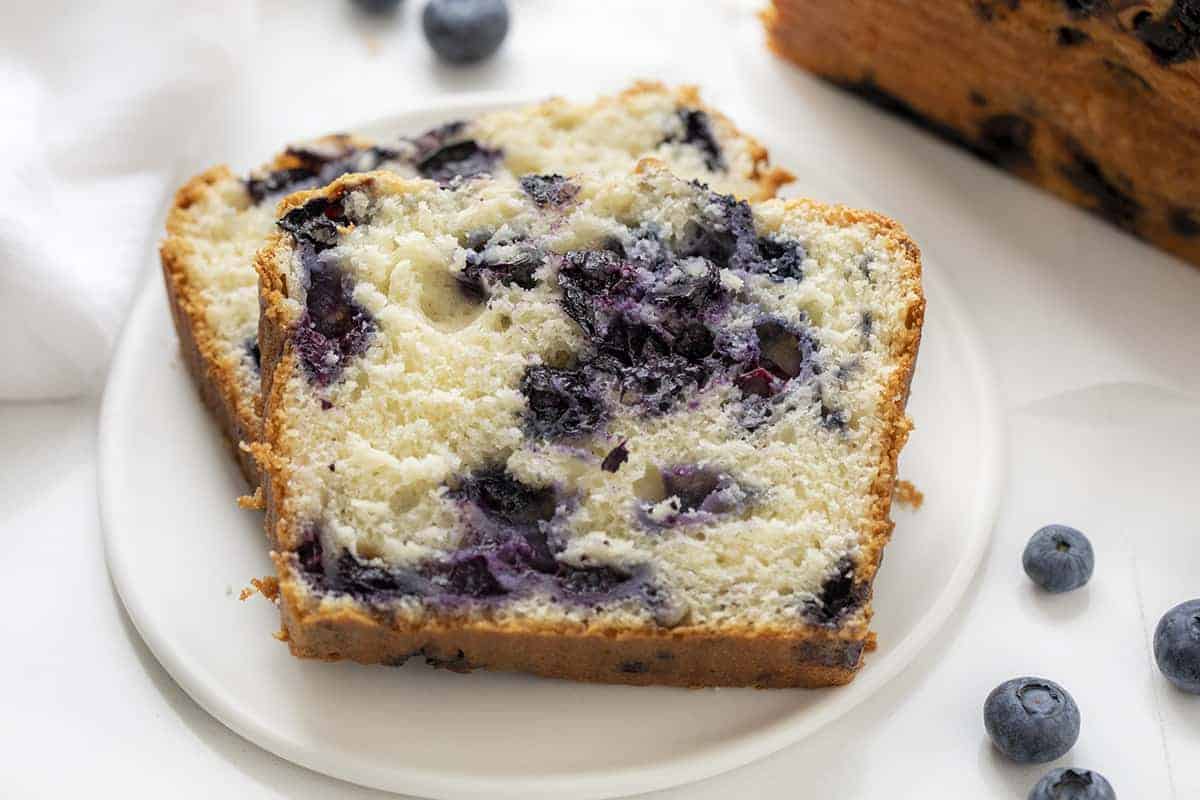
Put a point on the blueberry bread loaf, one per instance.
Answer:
(219, 220)
(615, 428)
(1097, 101)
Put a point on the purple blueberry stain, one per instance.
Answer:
(693, 494)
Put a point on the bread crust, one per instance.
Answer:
(804, 655)
(239, 415)
(1068, 96)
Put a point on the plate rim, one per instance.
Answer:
(585, 785)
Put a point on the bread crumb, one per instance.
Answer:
(908, 495)
(267, 586)
(253, 502)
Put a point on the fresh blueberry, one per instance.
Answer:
(1059, 558)
(1031, 720)
(379, 6)
(465, 31)
(1177, 646)
(1069, 783)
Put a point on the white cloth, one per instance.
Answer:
(98, 106)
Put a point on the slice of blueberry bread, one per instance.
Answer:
(219, 220)
(611, 427)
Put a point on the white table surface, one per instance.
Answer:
(1094, 338)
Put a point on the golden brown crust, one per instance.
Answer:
(214, 377)
(1075, 102)
(802, 656)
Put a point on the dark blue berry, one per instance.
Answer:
(1177, 646)
(1059, 558)
(615, 458)
(501, 496)
(378, 6)
(562, 402)
(316, 165)
(463, 159)
(840, 594)
(697, 131)
(465, 31)
(333, 327)
(1175, 36)
(1031, 720)
(1070, 783)
(485, 268)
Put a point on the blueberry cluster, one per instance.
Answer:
(510, 548)
(333, 328)
(660, 325)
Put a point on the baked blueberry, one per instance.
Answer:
(465, 31)
(1059, 558)
(561, 402)
(1177, 646)
(1070, 783)
(549, 190)
(697, 131)
(1031, 720)
(333, 328)
(615, 458)
(840, 594)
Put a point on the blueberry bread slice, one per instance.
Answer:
(219, 220)
(612, 428)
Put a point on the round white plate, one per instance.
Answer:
(180, 550)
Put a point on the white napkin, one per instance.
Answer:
(100, 103)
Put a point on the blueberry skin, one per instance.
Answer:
(465, 31)
(1059, 558)
(1070, 783)
(1031, 720)
(1177, 646)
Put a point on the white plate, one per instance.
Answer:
(179, 551)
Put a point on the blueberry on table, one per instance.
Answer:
(1177, 646)
(1069, 783)
(378, 6)
(1059, 558)
(1031, 720)
(465, 31)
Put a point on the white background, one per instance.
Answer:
(1094, 338)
